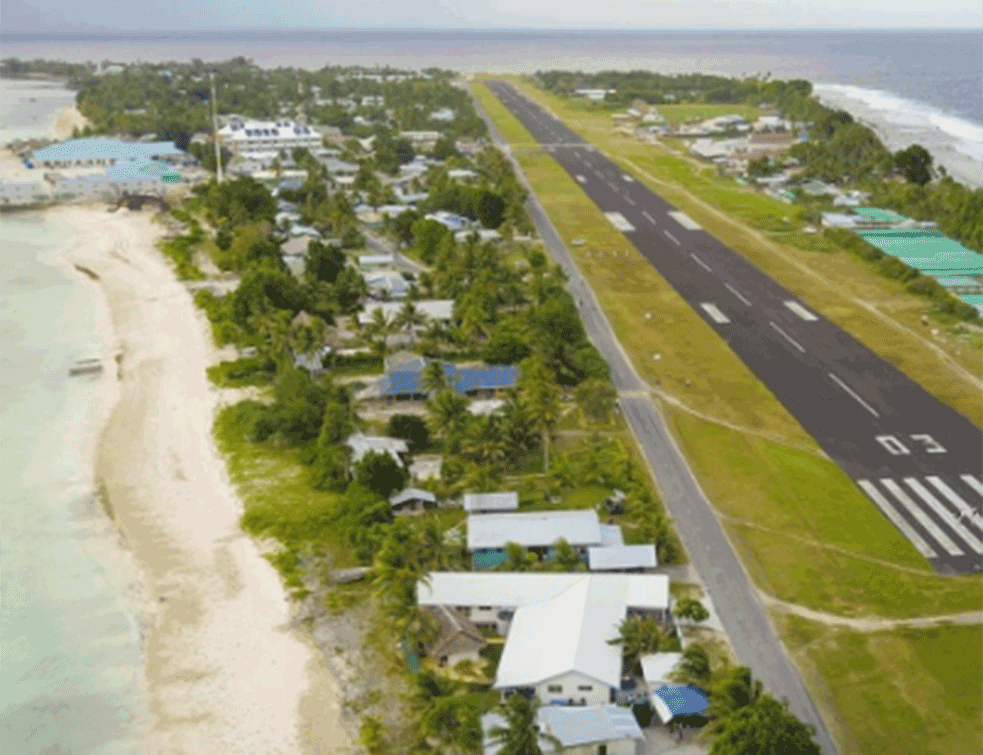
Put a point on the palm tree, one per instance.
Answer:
(409, 317)
(735, 690)
(565, 559)
(447, 416)
(521, 734)
(517, 558)
(434, 377)
(543, 399)
(638, 636)
(696, 667)
(597, 398)
(484, 442)
(378, 332)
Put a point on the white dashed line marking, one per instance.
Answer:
(581, 179)
(801, 311)
(857, 398)
(627, 178)
(787, 337)
(715, 314)
(697, 260)
(629, 200)
(648, 217)
(895, 518)
(737, 293)
(672, 238)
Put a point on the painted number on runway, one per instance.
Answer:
(896, 448)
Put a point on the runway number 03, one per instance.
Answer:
(896, 448)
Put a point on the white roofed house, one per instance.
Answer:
(580, 731)
(361, 445)
(412, 500)
(480, 503)
(489, 534)
(247, 137)
(558, 626)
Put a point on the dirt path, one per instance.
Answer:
(870, 623)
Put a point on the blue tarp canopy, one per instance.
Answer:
(675, 701)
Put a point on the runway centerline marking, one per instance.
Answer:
(787, 337)
(945, 515)
(801, 311)
(857, 398)
(629, 200)
(933, 529)
(696, 259)
(648, 217)
(737, 294)
(581, 179)
(896, 519)
(715, 314)
(627, 178)
(972, 482)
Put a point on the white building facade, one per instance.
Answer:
(251, 137)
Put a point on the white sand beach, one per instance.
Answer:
(224, 672)
(66, 120)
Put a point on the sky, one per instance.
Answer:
(157, 15)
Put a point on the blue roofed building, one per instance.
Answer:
(101, 151)
(678, 701)
(404, 381)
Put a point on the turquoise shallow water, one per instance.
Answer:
(69, 680)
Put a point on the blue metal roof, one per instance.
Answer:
(683, 701)
(406, 378)
(101, 148)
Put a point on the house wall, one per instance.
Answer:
(616, 747)
(569, 686)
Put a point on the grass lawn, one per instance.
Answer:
(697, 112)
(833, 282)
(894, 693)
(804, 521)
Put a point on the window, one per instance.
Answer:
(585, 688)
(484, 608)
(554, 688)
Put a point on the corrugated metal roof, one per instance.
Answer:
(506, 501)
(672, 701)
(590, 725)
(621, 557)
(412, 494)
(535, 528)
(101, 148)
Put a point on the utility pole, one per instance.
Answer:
(218, 149)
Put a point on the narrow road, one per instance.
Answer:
(735, 598)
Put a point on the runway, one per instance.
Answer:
(917, 460)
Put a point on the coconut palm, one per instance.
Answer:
(409, 317)
(597, 398)
(434, 377)
(696, 667)
(735, 690)
(521, 734)
(565, 558)
(378, 332)
(542, 397)
(484, 441)
(447, 416)
(638, 636)
(517, 558)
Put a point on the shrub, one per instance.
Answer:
(410, 428)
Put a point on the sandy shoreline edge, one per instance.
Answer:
(225, 670)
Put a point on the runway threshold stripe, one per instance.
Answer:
(965, 510)
(972, 482)
(896, 519)
(696, 259)
(921, 517)
(801, 311)
(737, 294)
(944, 514)
(857, 398)
(787, 337)
(715, 314)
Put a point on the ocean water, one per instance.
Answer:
(71, 649)
(27, 108)
(914, 85)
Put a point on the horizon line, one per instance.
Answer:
(484, 30)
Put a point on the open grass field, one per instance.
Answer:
(874, 309)
(894, 693)
(804, 532)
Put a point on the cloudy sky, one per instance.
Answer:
(92, 15)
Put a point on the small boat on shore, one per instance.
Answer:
(86, 366)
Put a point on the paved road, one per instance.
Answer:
(918, 460)
(380, 245)
(734, 597)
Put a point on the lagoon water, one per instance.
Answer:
(71, 648)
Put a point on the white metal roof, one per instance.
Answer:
(490, 501)
(363, 444)
(611, 536)
(484, 407)
(589, 725)
(568, 633)
(656, 667)
(513, 589)
(412, 494)
(537, 528)
(432, 309)
(621, 557)
(376, 259)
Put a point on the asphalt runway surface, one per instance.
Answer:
(917, 460)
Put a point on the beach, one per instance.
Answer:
(225, 670)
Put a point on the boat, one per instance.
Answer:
(86, 367)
